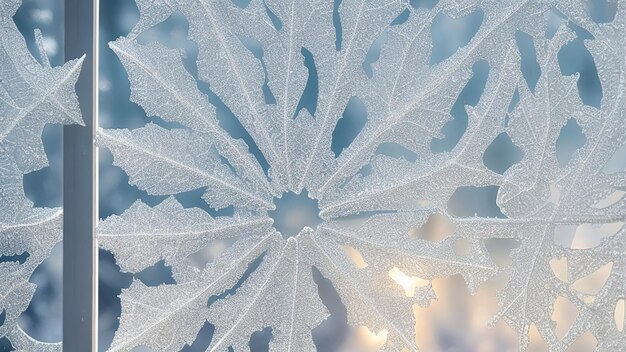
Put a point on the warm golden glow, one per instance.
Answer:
(376, 340)
(462, 247)
(355, 256)
(593, 283)
(619, 314)
(564, 314)
(362, 339)
(589, 299)
(408, 283)
(609, 200)
(436, 229)
(585, 342)
(586, 235)
(559, 268)
(536, 343)
(464, 316)
(589, 235)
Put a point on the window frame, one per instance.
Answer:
(80, 184)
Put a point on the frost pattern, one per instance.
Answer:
(31, 95)
(408, 102)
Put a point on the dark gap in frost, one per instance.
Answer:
(114, 86)
(349, 126)
(501, 154)
(111, 281)
(26, 23)
(602, 11)
(514, 100)
(401, 18)
(241, 3)
(293, 212)
(470, 95)
(42, 319)
(169, 125)
(115, 193)
(44, 186)
(330, 334)
(226, 119)
(373, 54)
(171, 32)
(5, 345)
(231, 291)
(575, 57)
(450, 34)
(17, 258)
(423, 4)
(225, 161)
(3, 316)
(231, 124)
(337, 25)
(260, 340)
(617, 161)
(112, 25)
(364, 171)
(554, 20)
(157, 274)
(26, 27)
(119, 103)
(397, 151)
(276, 22)
(530, 67)
(203, 339)
(580, 31)
(255, 47)
(390, 149)
(571, 138)
(193, 199)
(512, 104)
(202, 257)
(308, 100)
(499, 250)
(470, 201)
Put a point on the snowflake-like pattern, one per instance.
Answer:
(378, 207)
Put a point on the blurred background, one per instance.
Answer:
(455, 322)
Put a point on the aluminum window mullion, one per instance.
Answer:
(79, 186)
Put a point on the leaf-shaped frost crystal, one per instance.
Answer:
(31, 96)
(398, 208)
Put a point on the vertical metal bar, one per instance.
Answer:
(79, 245)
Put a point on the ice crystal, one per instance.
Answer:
(396, 217)
(31, 96)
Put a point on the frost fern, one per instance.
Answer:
(408, 97)
(31, 96)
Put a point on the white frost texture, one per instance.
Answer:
(377, 207)
(31, 96)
